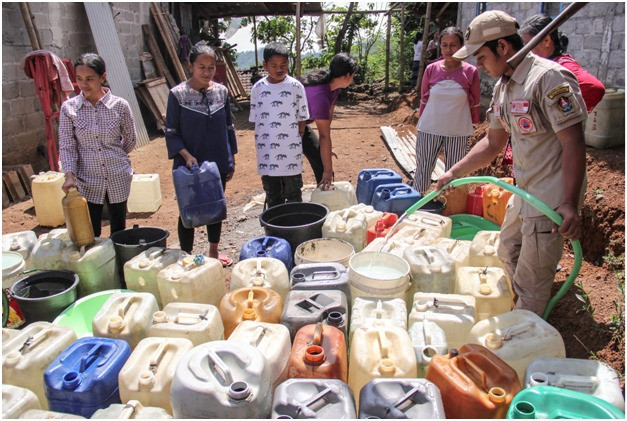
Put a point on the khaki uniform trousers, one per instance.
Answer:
(530, 254)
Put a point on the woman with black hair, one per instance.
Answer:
(553, 47)
(96, 134)
(198, 127)
(322, 89)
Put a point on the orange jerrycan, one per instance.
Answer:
(495, 200)
(319, 352)
(259, 304)
(474, 382)
(456, 201)
(77, 219)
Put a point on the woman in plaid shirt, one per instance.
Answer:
(96, 133)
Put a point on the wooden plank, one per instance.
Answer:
(230, 68)
(24, 172)
(143, 94)
(158, 92)
(6, 198)
(399, 152)
(160, 65)
(178, 67)
(13, 184)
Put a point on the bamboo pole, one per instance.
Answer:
(35, 42)
(402, 60)
(297, 70)
(178, 67)
(387, 51)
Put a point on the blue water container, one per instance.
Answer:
(395, 198)
(84, 377)
(369, 179)
(268, 246)
(199, 194)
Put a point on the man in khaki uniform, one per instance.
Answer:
(540, 105)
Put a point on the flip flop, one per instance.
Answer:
(225, 260)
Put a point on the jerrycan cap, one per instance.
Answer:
(497, 395)
(421, 305)
(70, 380)
(335, 318)
(249, 314)
(369, 209)
(314, 354)
(177, 273)
(494, 193)
(75, 255)
(143, 263)
(262, 253)
(387, 367)
(489, 250)
(12, 358)
(46, 245)
(15, 244)
(435, 268)
(298, 277)
(159, 317)
(493, 341)
(239, 390)
(147, 380)
(385, 194)
(258, 280)
(485, 289)
(454, 352)
(341, 226)
(116, 324)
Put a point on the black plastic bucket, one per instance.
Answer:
(434, 206)
(295, 222)
(43, 295)
(130, 242)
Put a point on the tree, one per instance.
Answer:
(339, 40)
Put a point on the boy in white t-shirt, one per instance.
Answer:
(278, 107)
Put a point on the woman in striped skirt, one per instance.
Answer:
(449, 106)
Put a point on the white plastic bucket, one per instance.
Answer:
(378, 275)
(324, 250)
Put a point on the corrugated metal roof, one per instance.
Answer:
(110, 49)
(243, 9)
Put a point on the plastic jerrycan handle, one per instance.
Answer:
(91, 356)
(320, 395)
(474, 372)
(190, 318)
(384, 344)
(378, 312)
(221, 367)
(577, 382)
(126, 305)
(407, 396)
(34, 340)
(324, 274)
(312, 303)
(431, 221)
(155, 254)
(401, 190)
(264, 243)
(157, 356)
(452, 246)
(130, 409)
(517, 329)
(259, 334)
(317, 335)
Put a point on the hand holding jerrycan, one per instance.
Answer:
(200, 194)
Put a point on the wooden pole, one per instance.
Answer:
(387, 51)
(402, 58)
(161, 25)
(423, 58)
(297, 70)
(30, 28)
(32, 18)
(162, 69)
(255, 39)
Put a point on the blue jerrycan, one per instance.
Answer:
(369, 179)
(268, 246)
(394, 198)
(199, 194)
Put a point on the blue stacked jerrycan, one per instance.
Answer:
(84, 377)
(369, 179)
(268, 246)
(199, 194)
(394, 198)
(551, 402)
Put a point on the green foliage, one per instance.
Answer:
(582, 296)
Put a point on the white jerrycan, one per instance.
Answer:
(17, 400)
(490, 287)
(265, 272)
(377, 312)
(131, 410)
(439, 224)
(459, 250)
(428, 339)
(340, 196)
(483, 249)
(199, 323)
(346, 225)
(372, 215)
(432, 269)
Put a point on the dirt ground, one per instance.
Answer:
(589, 327)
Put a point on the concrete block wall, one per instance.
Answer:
(64, 29)
(596, 36)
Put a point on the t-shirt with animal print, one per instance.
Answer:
(276, 109)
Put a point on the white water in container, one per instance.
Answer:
(17, 400)
(372, 215)
(378, 275)
(140, 273)
(12, 267)
(46, 254)
(340, 196)
(196, 279)
(125, 315)
(20, 242)
(147, 374)
(41, 414)
(432, 269)
(368, 312)
(145, 195)
(27, 355)
(489, 286)
(588, 376)
(95, 266)
(454, 313)
(324, 250)
(518, 337)
(380, 352)
(439, 224)
(346, 225)
(272, 340)
(222, 379)
(199, 323)
(483, 249)
(265, 272)
(428, 339)
(459, 250)
(131, 410)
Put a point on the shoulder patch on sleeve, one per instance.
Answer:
(564, 89)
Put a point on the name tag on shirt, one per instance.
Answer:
(520, 107)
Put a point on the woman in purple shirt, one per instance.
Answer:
(322, 89)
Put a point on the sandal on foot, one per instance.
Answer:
(225, 260)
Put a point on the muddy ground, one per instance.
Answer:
(587, 317)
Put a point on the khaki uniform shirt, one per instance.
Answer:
(538, 100)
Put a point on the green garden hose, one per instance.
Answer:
(533, 201)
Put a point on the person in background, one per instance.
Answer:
(323, 88)
(198, 128)
(449, 106)
(278, 108)
(96, 134)
(417, 54)
(540, 105)
(432, 48)
(553, 47)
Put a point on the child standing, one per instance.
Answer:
(278, 107)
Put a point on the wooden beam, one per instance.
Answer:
(35, 42)
(441, 11)
(161, 25)
(402, 61)
(162, 68)
(255, 41)
(387, 51)
(297, 70)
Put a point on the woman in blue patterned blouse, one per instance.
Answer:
(199, 128)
